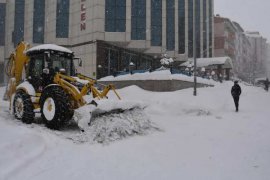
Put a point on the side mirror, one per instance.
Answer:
(47, 56)
(79, 61)
(46, 71)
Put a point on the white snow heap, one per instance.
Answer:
(111, 121)
(198, 134)
(166, 61)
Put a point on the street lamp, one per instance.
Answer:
(131, 65)
(99, 70)
(203, 72)
(189, 66)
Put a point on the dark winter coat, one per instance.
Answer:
(266, 83)
(236, 90)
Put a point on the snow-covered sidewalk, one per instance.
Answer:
(201, 138)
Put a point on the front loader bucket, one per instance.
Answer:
(86, 115)
(113, 120)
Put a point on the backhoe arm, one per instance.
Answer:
(66, 82)
(15, 67)
(106, 88)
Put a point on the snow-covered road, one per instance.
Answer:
(201, 138)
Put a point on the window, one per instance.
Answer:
(190, 28)
(138, 19)
(115, 16)
(170, 24)
(38, 20)
(34, 70)
(181, 26)
(36, 66)
(18, 33)
(62, 62)
(156, 22)
(2, 23)
(62, 18)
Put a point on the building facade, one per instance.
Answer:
(243, 54)
(110, 34)
(268, 60)
(246, 49)
(225, 37)
(259, 54)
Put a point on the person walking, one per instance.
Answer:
(236, 91)
(266, 83)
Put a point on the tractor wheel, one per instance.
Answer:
(55, 107)
(23, 107)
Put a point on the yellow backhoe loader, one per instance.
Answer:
(42, 79)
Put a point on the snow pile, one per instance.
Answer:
(111, 121)
(117, 126)
(202, 138)
(166, 61)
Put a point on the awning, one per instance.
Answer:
(226, 62)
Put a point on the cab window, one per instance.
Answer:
(36, 66)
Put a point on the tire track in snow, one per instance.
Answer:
(19, 153)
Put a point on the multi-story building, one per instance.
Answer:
(268, 60)
(259, 54)
(246, 49)
(225, 37)
(109, 34)
(243, 54)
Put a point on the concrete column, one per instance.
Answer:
(207, 27)
(128, 20)
(213, 29)
(186, 28)
(148, 24)
(28, 21)
(201, 29)
(50, 22)
(164, 27)
(176, 28)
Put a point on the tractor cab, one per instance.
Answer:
(42, 80)
(47, 60)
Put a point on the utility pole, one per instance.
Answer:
(194, 49)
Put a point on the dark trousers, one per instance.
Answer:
(236, 102)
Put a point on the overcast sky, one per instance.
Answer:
(252, 15)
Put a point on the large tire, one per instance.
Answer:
(55, 107)
(23, 107)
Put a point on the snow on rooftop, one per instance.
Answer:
(204, 62)
(157, 75)
(49, 47)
